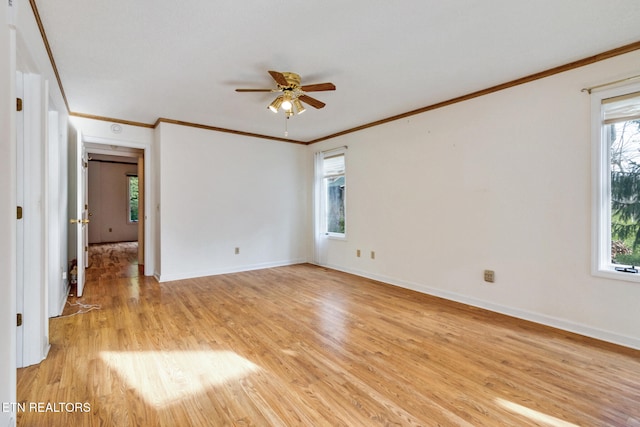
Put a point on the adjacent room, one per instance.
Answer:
(325, 213)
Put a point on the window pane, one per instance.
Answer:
(335, 189)
(133, 199)
(333, 171)
(624, 140)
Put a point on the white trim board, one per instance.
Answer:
(218, 271)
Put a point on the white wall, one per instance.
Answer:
(57, 218)
(102, 131)
(7, 217)
(501, 182)
(221, 191)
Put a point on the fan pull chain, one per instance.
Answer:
(286, 130)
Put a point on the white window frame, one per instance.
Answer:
(322, 194)
(601, 264)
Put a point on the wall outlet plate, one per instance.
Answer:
(489, 276)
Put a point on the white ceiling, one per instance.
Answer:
(146, 59)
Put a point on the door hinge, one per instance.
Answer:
(19, 104)
(19, 319)
(19, 212)
(86, 248)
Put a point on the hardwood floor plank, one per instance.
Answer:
(307, 346)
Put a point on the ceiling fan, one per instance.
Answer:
(293, 94)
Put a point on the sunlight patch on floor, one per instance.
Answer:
(333, 320)
(163, 378)
(533, 415)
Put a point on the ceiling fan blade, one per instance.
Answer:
(256, 90)
(311, 101)
(279, 78)
(318, 87)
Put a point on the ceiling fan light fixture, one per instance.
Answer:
(276, 104)
(286, 103)
(299, 108)
(292, 93)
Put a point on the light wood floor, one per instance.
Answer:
(306, 346)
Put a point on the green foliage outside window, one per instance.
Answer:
(625, 192)
(133, 199)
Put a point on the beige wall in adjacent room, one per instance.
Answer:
(108, 202)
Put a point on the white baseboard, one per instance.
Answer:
(542, 319)
(45, 351)
(63, 301)
(225, 270)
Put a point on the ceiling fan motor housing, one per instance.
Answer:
(293, 79)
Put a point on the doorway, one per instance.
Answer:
(98, 145)
(116, 197)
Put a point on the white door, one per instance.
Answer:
(79, 215)
(85, 206)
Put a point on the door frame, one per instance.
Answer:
(146, 147)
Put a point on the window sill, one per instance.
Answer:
(336, 236)
(611, 273)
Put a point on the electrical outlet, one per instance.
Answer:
(237, 251)
(373, 255)
(489, 276)
(358, 253)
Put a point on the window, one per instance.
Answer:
(132, 211)
(617, 183)
(332, 193)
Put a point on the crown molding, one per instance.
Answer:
(111, 119)
(232, 131)
(43, 34)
